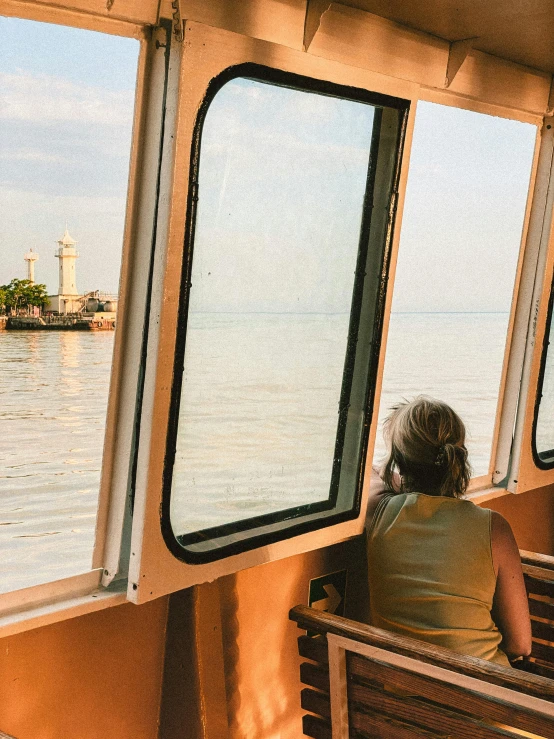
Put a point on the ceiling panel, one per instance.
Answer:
(521, 31)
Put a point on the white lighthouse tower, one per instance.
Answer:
(67, 254)
(31, 257)
(67, 300)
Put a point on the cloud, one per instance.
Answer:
(47, 99)
(31, 155)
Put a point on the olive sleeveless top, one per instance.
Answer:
(431, 573)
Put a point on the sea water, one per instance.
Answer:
(53, 398)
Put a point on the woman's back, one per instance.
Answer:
(431, 572)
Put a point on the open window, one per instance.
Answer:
(458, 269)
(258, 399)
(67, 121)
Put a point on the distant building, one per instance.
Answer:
(68, 299)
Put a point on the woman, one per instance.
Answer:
(441, 569)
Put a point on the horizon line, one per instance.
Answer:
(346, 313)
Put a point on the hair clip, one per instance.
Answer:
(441, 456)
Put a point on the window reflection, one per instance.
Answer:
(282, 178)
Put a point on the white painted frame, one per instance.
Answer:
(338, 646)
(45, 603)
(524, 474)
(153, 570)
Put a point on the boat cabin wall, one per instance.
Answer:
(218, 655)
(97, 675)
(220, 659)
(241, 623)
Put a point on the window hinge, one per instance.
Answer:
(178, 27)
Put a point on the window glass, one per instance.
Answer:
(66, 107)
(543, 437)
(461, 233)
(282, 179)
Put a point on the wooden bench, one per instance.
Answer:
(538, 571)
(366, 682)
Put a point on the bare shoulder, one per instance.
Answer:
(510, 606)
(377, 491)
(501, 530)
(505, 551)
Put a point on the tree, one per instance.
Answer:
(22, 294)
(38, 296)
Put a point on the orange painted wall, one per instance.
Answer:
(259, 641)
(93, 677)
(531, 516)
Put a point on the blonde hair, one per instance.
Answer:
(426, 441)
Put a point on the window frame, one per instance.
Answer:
(154, 569)
(541, 463)
(524, 473)
(47, 602)
(285, 523)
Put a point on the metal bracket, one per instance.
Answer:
(456, 57)
(178, 27)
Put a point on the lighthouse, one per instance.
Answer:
(67, 254)
(31, 257)
(68, 299)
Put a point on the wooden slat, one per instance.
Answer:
(541, 608)
(544, 653)
(315, 676)
(425, 715)
(316, 727)
(366, 724)
(316, 702)
(538, 580)
(321, 622)
(537, 560)
(541, 630)
(361, 669)
(542, 668)
(364, 720)
(314, 648)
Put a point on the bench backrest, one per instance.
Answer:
(538, 571)
(368, 682)
(383, 685)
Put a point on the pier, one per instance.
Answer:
(68, 322)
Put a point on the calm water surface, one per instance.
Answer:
(53, 399)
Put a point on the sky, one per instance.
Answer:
(66, 107)
(281, 185)
(463, 216)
